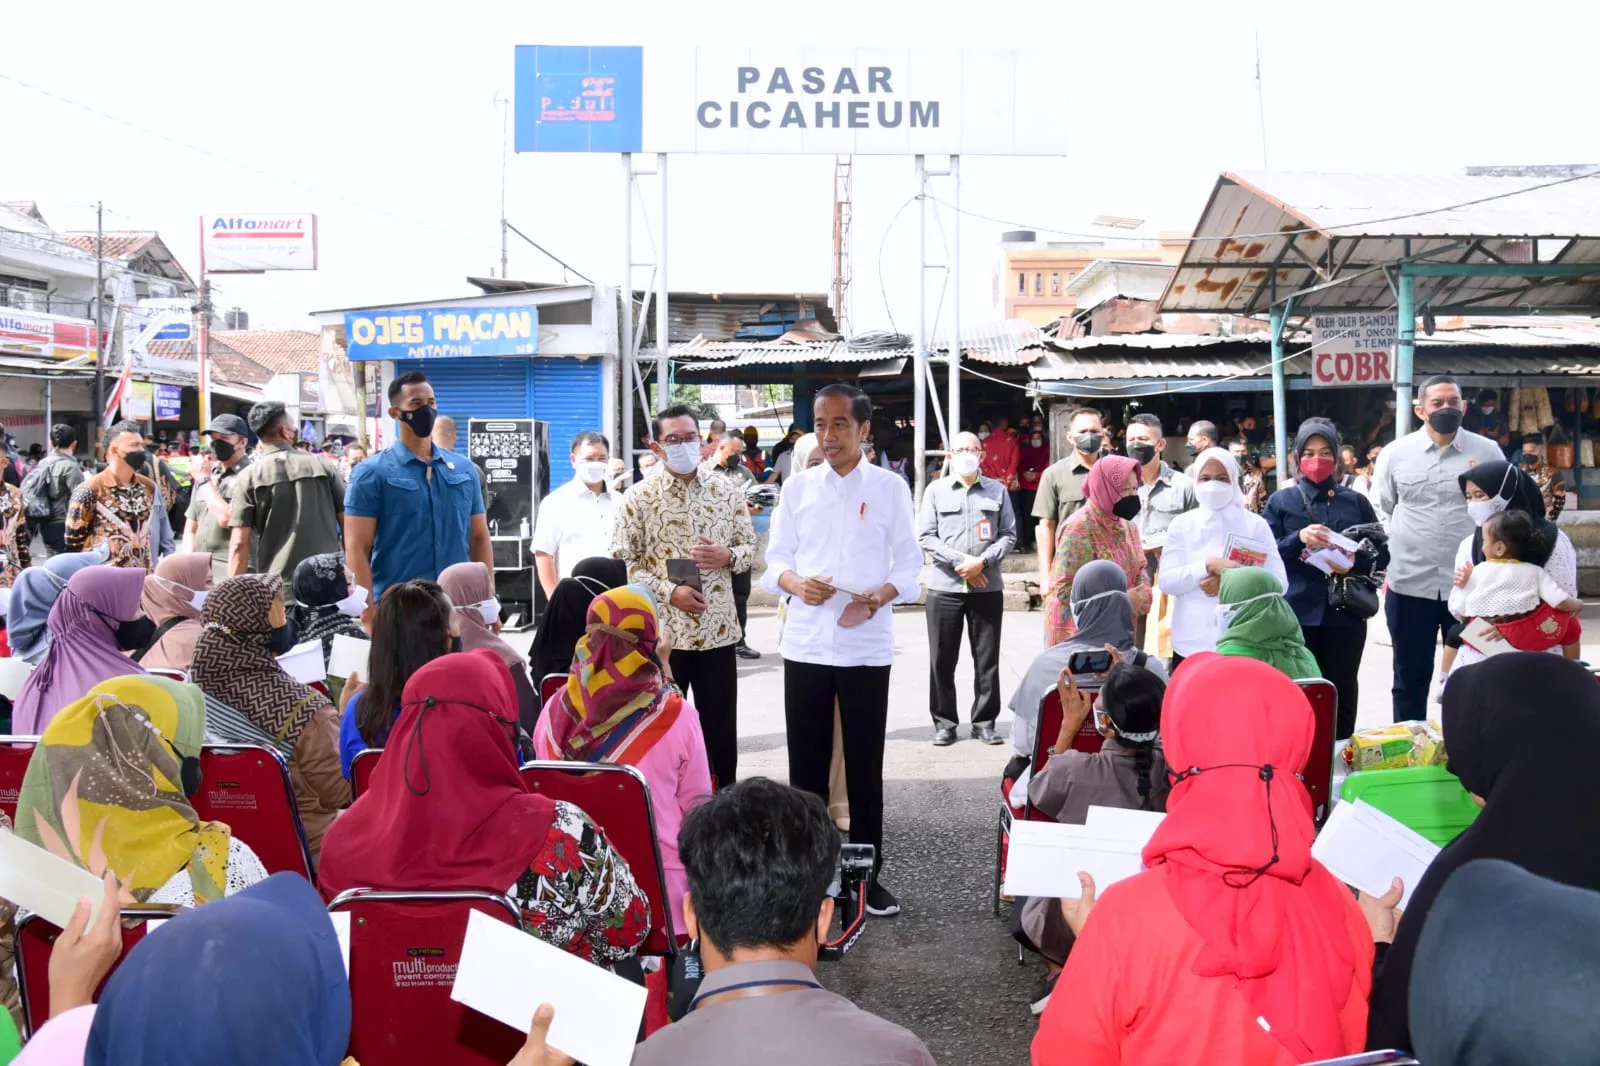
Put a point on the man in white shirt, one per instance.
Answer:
(1418, 497)
(576, 520)
(844, 547)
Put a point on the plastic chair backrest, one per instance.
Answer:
(361, 768)
(1428, 799)
(618, 800)
(168, 672)
(15, 751)
(247, 787)
(549, 685)
(1318, 772)
(35, 941)
(404, 949)
(1088, 739)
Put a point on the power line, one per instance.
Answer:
(1287, 232)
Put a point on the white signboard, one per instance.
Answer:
(250, 244)
(853, 101)
(718, 395)
(1352, 349)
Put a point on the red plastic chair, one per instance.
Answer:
(618, 800)
(549, 685)
(1088, 740)
(1318, 773)
(36, 940)
(404, 949)
(15, 751)
(361, 770)
(247, 787)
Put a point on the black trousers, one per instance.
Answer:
(54, 535)
(1415, 625)
(809, 692)
(711, 681)
(1022, 507)
(1338, 651)
(741, 600)
(981, 613)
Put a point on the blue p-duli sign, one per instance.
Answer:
(441, 332)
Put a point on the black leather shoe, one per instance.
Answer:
(745, 651)
(944, 736)
(986, 734)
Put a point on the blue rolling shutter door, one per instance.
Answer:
(476, 388)
(566, 394)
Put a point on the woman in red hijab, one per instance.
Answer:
(1101, 529)
(447, 809)
(1234, 945)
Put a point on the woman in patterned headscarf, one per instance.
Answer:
(325, 606)
(619, 707)
(108, 789)
(250, 700)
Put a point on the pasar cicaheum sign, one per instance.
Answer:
(1352, 349)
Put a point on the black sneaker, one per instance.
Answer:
(1040, 999)
(881, 902)
(985, 734)
(745, 651)
(943, 736)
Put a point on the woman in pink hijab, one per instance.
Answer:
(1101, 529)
(92, 625)
(173, 595)
(470, 587)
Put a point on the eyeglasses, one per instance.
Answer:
(669, 441)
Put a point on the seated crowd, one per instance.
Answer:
(1232, 944)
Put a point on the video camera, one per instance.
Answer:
(850, 887)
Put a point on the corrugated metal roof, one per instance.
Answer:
(1254, 230)
(1120, 277)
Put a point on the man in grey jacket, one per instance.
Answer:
(967, 526)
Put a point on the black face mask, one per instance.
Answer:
(1525, 459)
(135, 635)
(283, 639)
(420, 421)
(455, 644)
(222, 450)
(1141, 453)
(1127, 508)
(137, 460)
(1191, 450)
(683, 981)
(1088, 443)
(1445, 420)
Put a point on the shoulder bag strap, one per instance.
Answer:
(161, 630)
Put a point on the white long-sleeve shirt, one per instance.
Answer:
(1194, 537)
(857, 530)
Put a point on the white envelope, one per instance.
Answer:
(45, 884)
(507, 974)
(1366, 849)
(1133, 825)
(1045, 857)
(1482, 637)
(303, 662)
(349, 657)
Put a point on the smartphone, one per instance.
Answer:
(1089, 662)
(684, 572)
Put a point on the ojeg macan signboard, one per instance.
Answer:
(250, 244)
(1352, 349)
(795, 101)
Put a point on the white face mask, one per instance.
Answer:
(683, 458)
(983, 434)
(1482, 510)
(353, 604)
(197, 599)
(963, 464)
(1215, 495)
(1227, 611)
(488, 610)
(594, 472)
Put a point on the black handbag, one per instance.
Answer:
(1354, 594)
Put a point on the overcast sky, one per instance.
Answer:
(383, 122)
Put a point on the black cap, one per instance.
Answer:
(230, 424)
(264, 414)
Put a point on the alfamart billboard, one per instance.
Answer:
(789, 101)
(249, 244)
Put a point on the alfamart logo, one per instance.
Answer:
(243, 226)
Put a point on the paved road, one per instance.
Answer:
(946, 968)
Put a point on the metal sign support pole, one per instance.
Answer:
(626, 353)
(955, 350)
(663, 339)
(919, 370)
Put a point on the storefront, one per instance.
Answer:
(543, 353)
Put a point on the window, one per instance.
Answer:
(1038, 284)
(1055, 284)
(11, 281)
(1022, 283)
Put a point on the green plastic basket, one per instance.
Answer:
(1426, 799)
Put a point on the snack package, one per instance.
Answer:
(1392, 747)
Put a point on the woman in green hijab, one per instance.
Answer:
(1255, 620)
